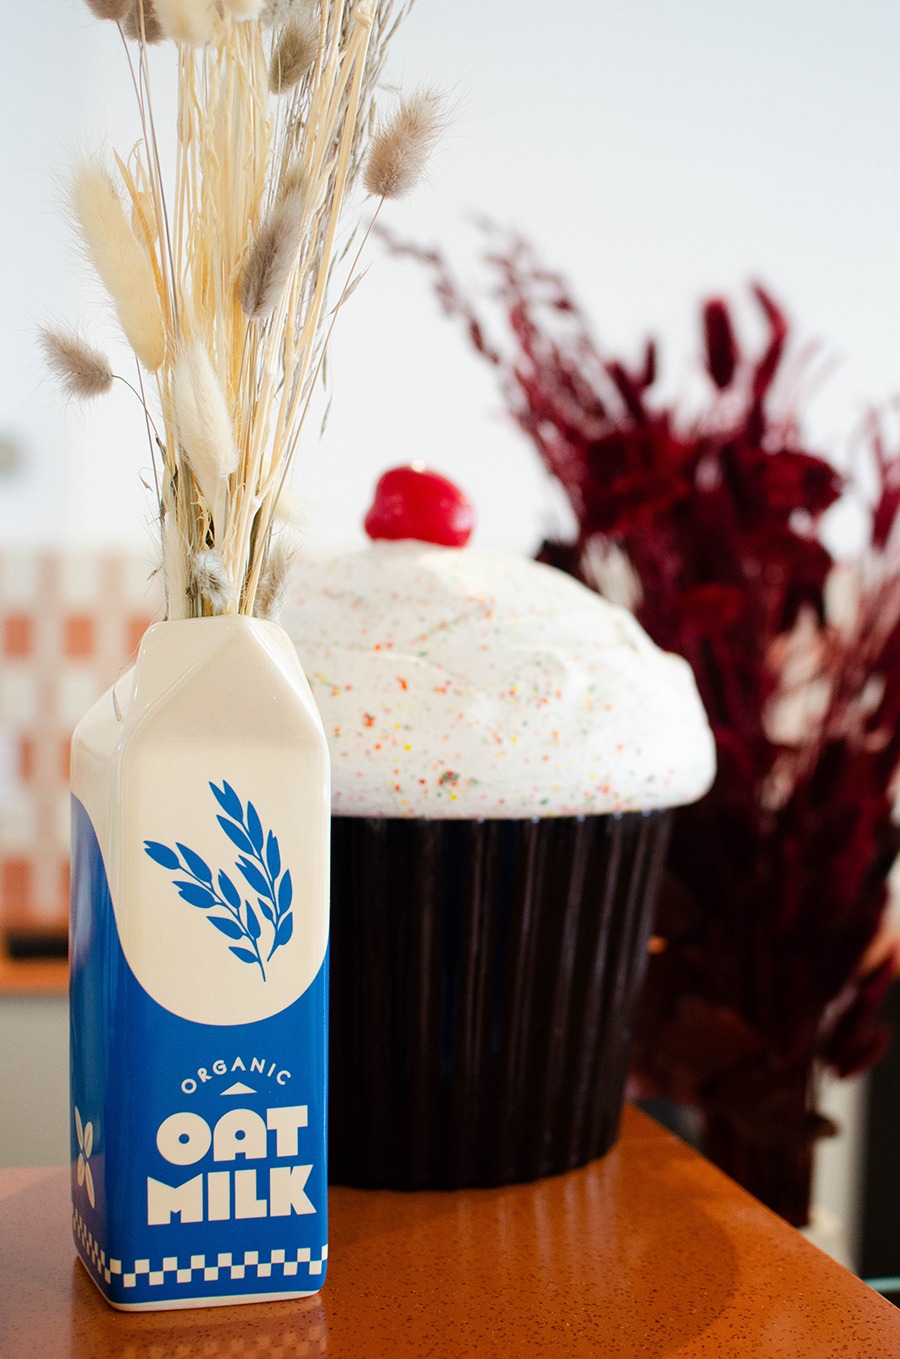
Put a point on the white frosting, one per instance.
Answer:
(459, 683)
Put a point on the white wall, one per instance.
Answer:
(34, 1074)
(654, 152)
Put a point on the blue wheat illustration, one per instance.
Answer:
(259, 863)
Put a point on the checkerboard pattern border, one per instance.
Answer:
(225, 1265)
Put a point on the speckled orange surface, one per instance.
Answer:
(649, 1252)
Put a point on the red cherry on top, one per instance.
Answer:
(411, 502)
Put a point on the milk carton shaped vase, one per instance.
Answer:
(199, 973)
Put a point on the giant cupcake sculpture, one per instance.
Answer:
(505, 747)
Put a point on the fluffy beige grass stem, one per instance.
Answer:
(208, 581)
(109, 9)
(401, 148)
(190, 21)
(273, 583)
(204, 426)
(294, 53)
(276, 12)
(139, 25)
(121, 262)
(81, 369)
(271, 259)
(244, 9)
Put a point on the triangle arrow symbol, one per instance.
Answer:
(238, 1089)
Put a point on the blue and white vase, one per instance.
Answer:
(199, 973)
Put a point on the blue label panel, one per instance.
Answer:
(198, 1150)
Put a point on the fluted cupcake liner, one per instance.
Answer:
(484, 976)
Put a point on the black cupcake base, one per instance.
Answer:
(484, 977)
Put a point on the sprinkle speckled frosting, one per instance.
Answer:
(459, 683)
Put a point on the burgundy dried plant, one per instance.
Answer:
(766, 968)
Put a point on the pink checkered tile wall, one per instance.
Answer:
(70, 623)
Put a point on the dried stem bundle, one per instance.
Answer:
(221, 280)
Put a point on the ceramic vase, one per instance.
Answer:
(199, 973)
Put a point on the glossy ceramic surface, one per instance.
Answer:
(199, 974)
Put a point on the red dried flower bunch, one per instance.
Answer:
(764, 971)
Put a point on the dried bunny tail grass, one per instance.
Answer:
(294, 180)
(121, 261)
(131, 24)
(83, 371)
(276, 12)
(243, 9)
(274, 579)
(208, 580)
(294, 53)
(289, 511)
(401, 147)
(204, 425)
(268, 266)
(109, 9)
(191, 21)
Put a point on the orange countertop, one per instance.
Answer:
(647, 1252)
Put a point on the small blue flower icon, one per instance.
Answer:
(85, 1134)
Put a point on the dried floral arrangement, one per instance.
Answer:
(224, 279)
(767, 968)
